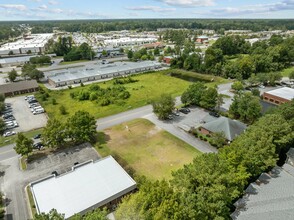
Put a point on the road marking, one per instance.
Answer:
(124, 116)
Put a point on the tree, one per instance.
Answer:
(246, 107)
(163, 106)
(220, 101)
(130, 54)
(24, 145)
(156, 51)
(237, 86)
(209, 98)
(81, 127)
(2, 126)
(12, 75)
(29, 52)
(52, 215)
(2, 97)
(10, 53)
(104, 53)
(54, 134)
(291, 75)
(192, 96)
(36, 74)
(218, 139)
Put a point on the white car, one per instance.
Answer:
(9, 133)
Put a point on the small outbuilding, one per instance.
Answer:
(18, 88)
(230, 128)
(279, 96)
(87, 186)
(202, 39)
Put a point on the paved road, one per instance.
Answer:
(7, 152)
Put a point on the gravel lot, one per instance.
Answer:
(23, 115)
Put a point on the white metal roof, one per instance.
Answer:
(88, 185)
(285, 92)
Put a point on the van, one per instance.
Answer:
(36, 108)
(39, 111)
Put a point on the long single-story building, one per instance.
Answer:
(88, 186)
(18, 88)
(279, 96)
(91, 73)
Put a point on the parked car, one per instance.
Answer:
(36, 108)
(214, 114)
(184, 110)
(29, 97)
(37, 136)
(176, 114)
(32, 101)
(38, 111)
(38, 145)
(9, 133)
(169, 117)
(34, 105)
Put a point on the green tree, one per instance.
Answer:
(36, 74)
(209, 98)
(52, 215)
(156, 51)
(81, 127)
(24, 145)
(2, 97)
(291, 75)
(130, 54)
(12, 75)
(192, 96)
(54, 134)
(237, 86)
(10, 53)
(2, 126)
(218, 139)
(220, 101)
(163, 106)
(104, 53)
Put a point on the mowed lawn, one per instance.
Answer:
(147, 149)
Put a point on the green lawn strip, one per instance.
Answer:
(148, 87)
(286, 72)
(23, 163)
(73, 62)
(10, 140)
(146, 149)
(31, 200)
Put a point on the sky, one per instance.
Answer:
(120, 9)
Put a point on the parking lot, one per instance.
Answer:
(23, 115)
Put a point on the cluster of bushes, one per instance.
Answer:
(208, 187)
(40, 60)
(124, 80)
(141, 55)
(102, 96)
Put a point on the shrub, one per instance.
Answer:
(93, 96)
(82, 84)
(105, 102)
(54, 101)
(62, 110)
(70, 87)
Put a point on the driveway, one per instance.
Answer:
(14, 181)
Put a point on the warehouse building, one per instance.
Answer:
(18, 88)
(279, 96)
(35, 43)
(88, 186)
(15, 61)
(127, 41)
(97, 72)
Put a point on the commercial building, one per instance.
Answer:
(18, 88)
(202, 39)
(14, 61)
(35, 43)
(88, 186)
(97, 72)
(279, 96)
(271, 196)
(127, 41)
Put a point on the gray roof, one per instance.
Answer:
(18, 86)
(271, 197)
(285, 92)
(88, 185)
(65, 75)
(231, 128)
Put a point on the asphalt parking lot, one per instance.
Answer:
(23, 115)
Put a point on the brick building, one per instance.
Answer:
(279, 96)
(18, 88)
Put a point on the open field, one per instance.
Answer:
(287, 71)
(9, 140)
(148, 87)
(73, 62)
(147, 149)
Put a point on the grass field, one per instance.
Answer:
(73, 62)
(287, 71)
(9, 140)
(148, 87)
(147, 149)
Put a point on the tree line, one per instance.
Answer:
(208, 187)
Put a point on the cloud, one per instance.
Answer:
(14, 6)
(189, 3)
(35, 0)
(43, 7)
(255, 9)
(151, 8)
(53, 2)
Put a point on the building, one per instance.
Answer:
(230, 128)
(88, 186)
(154, 45)
(14, 61)
(35, 43)
(127, 41)
(279, 96)
(99, 71)
(270, 197)
(202, 39)
(18, 88)
(167, 59)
